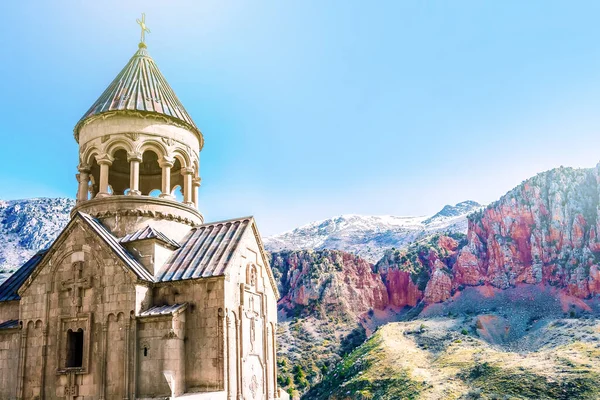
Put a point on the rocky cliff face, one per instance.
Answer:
(422, 271)
(327, 281)
(27, 226)
(545, 231)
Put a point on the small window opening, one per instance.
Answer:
(145, 351)
(75, 348)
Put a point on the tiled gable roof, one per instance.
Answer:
(148, 233)
(10, 324)
(163, 310)
(114, 244)
(205, 251)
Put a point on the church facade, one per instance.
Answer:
(138, 297)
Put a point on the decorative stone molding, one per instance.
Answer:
(139, 114)
(265, 259)
(133, 135)
(105, 159)
(134, 156)
(168, 141)
(166, 161)
(144, 213)
(85, 168)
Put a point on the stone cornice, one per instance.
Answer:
(140, 114)
(128, 208)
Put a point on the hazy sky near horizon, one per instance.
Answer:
(312, 109)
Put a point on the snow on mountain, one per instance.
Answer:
(370, 236)
(27, 226)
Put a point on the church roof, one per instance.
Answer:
(10, 324)
(163, 310)
(140, 86)
(205, 251)
(148, 233)
(119, 250)
(9, 288)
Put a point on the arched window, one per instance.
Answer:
(177, 193)
(155, 193)
(74, 348)
(118, 175)
(94, 182)
(150, 173)
(177, 180)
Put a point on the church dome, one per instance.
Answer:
(139, 155)
(140, 87)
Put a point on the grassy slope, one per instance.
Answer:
(435, 359)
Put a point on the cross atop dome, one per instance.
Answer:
(145, 30)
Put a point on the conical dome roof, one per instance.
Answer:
(139, 87)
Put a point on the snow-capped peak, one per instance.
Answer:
(370, 235)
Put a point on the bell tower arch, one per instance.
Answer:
(139, 155)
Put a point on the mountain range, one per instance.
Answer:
(474, 302)
(29, 225)
(508, 310)
(370, 236)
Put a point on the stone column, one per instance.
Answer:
(195, 186)
(127, 361)
(105, 161)
(187, 185)
(104, 347)
(83, 177)
(134, 173)
(166, 164)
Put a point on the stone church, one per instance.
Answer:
(138, 297)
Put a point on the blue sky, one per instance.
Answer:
(312, 109)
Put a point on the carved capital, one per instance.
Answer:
(187, 171)
(104, 159)
(134, 156)
(166, 162)
(84, 168)
(196, 182)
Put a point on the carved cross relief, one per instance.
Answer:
(71, 390)
(77, 285)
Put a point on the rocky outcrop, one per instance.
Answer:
(423, 271)
(545, 231)
(341, 283)
(327, 281)
(27, 226)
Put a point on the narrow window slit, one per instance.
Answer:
(75, 348)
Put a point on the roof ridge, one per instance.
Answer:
(148, 232)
